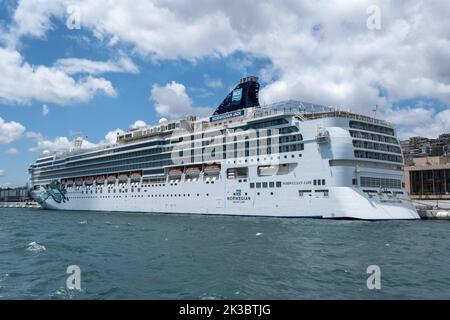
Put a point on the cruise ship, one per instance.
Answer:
(287, 159)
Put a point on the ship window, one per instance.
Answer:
(234, 173)
(264, 184)
(271, 184)
(258, 185)
(252, 185)
(278, 184)
(323, 182)
(354, 182)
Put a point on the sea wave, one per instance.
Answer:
(35, 247)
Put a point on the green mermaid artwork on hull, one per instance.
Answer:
(54, 190)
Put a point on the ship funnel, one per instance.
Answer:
(244, 95)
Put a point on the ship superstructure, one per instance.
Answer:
(288, 159)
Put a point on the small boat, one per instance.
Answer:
(123, 177)
(176, 172)
(193, 171)
(212, 170)
(69, 182)
(136, 176)
(79, 181)
(112, 179)
(89, 180)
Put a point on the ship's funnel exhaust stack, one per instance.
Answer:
(244, 95)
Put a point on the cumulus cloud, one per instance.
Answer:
(173, 101)
(319, 51)
(111, 137)
(12, 151)
(21, 82)
(75, 65)
(138, 124)
(55, 145)
(10, 131)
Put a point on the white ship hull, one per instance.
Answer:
(224, 197)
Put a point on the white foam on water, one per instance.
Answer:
(259, 234)
(83, 222)
(35, 247)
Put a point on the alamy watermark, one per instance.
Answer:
(73, 282)
(73, 21)
(374, 17)
(374, 280)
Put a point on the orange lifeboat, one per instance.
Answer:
(112, 178)
(193, 171)
(100, 179)
(136, 176)
(123, 177)
(212, 170)
(175, 172)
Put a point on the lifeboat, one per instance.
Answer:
(123, 177)
(69, 182)
(212, 170)
(176, 172)
(136, 176)
(112, 179)
(100, 179)
(89, 180)
(194, 171)
(79, 181)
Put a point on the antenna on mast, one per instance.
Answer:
(375, 109)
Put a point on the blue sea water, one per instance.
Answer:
(157, 256)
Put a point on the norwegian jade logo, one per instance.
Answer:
(237, 95)
(54, 190)
(238, 197)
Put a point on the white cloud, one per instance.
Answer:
(55, 145)
(173, 101)
(111, 137)
(10, 131)
(75, 65)
(319, 51)
(212, 83)
(2, 173)
(21, 82)
(138, 124)
(45, 110)
(418, 121)
(12, 151)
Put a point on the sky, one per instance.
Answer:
(95, 67)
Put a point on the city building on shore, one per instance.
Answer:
(20, 194)
(428, 178)
(424, 147)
